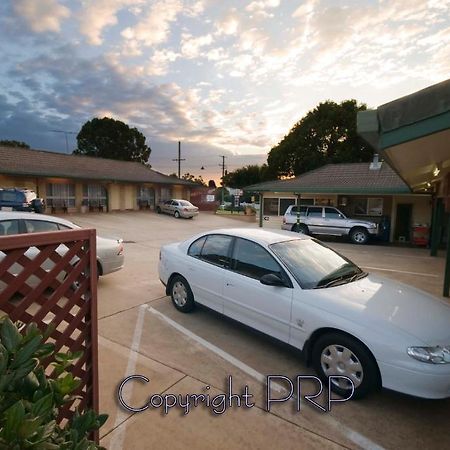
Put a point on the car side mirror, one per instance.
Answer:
(272, 279)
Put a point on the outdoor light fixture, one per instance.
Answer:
(436, 171)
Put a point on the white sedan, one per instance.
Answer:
(110, 256)
(376, 332)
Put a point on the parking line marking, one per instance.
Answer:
(117, 441)
(402, 271)
(352, 435)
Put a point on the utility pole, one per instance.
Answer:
(223, 175)
(179, 159)
(65, 135)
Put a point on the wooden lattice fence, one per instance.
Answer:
(51, 278)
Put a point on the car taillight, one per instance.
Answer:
(284, 219)
(120, 250)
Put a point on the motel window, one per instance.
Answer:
(368, 206)
(94, 195)
(145, 196)
(166, 194)
(270, 207)
(61, 195)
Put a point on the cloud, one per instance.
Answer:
(154, 27)
(191, 47)
(228, 25)
(96, 15)
(42, 16)
(260, 7)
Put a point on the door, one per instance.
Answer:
(246, 299)
(335, 222)
(206, 267)
(403, 222)
(314, 219)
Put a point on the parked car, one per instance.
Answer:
(177, 208)
(14, 199)
(110, 257)
(373, 330)
(326, 220)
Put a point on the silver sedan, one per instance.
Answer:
(178, 208)
(110, 256)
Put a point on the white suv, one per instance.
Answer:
(329, 221)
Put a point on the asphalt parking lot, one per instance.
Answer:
(141, 333)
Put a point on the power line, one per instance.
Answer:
(179, 159)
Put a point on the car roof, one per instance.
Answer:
(11, 215)
(260, 235)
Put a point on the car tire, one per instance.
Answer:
(158, 210)
(359, 236)
(176, 214)
(181, 294)
(301, 228)
(339, 354)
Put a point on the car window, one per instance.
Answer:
(10, 196)
(40, 226)
(195, 249)
(331, 213)
(63, 227)
(216, 249)
(185, 203)
(295, 209)
(174, 203)
(168, 202)
(8, 227)
(314, 211)
(252, 260)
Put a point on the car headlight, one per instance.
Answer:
(432, 355)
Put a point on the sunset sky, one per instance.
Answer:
(224, 77)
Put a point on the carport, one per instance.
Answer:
(413, 135)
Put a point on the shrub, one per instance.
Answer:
(30, 400)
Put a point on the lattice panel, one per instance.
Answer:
(51, 278)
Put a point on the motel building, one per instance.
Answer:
(74, 183)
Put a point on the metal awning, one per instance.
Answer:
(413, 134)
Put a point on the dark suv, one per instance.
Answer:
(14, 199)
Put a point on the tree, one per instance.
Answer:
(245, 176)
(109, 138)
(6, 143)
(327, 134)
(198, 180)
(212, 184)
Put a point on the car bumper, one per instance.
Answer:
(373, 231)
(188, 214)
(286, 226)
(427, 381)
(112, 264)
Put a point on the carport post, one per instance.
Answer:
(436, 227)
(261, 197)
(447, 265)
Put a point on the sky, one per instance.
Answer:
(224, 77)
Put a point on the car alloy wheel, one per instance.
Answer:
(339, 360)
(359, 236)
(177, 215)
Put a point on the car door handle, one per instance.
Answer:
(227, 283)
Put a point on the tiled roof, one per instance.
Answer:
(339, 178)
(28, 162)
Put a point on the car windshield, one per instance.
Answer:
(315, 265)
